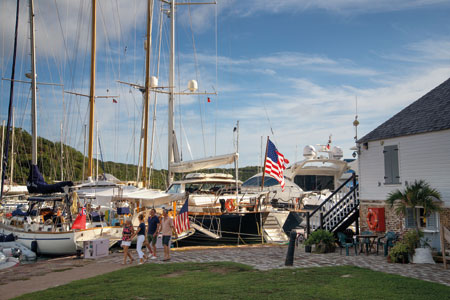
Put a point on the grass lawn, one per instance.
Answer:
(236, 281)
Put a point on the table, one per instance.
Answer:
(372, 239)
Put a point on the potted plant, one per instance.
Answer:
(399, 253)
(419, 194)
(323, 241)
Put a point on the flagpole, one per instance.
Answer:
(264, 169)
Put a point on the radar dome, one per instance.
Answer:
(192, 86)
(309, 152)
(337, 152)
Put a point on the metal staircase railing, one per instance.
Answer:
(337, 208)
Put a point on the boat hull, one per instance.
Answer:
(233, 229)
(62, 243)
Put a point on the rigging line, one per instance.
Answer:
(66, 53)
(268, 119)
(217, 83)
(197, 77)
(120, 33)
(108, 49)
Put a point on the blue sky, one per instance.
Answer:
(296, 66)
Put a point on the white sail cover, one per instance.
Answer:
(145, 196)
(204, 163)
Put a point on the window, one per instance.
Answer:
(424, 221)
(314, 182)
(391, 169)
(174, 189)
(256, 181)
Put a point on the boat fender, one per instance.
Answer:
(34, 246)
(229, 205)
(372, 219)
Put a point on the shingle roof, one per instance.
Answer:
(429, 113)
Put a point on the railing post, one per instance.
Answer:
(321, 220)
(354, 187)
(308, 225)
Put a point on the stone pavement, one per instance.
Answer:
(263, 257)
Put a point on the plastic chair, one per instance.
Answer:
(344, 244)
(388, 241)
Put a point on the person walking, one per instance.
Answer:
(127, 233)
(153, 227)
(140, 233)
(166, 230)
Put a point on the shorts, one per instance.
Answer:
(126, 243)
(152, 239)
(166, 239)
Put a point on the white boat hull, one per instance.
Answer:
(63, 243)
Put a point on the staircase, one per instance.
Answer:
(338, 211)
(273, 231)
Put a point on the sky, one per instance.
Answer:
(295, 70)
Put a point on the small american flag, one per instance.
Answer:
(275, 163)
(182, 219)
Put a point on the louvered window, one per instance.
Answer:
(391, 168)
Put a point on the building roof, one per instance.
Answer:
(429, 113)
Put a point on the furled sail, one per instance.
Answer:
(204, 163)
(37, 184)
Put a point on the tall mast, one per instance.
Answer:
(33, 88)
(3, 144)
(171, 92)
(147, 88)
(62, 153)
(11, 99)
(155, 103)
(11, 179)
(92, 91)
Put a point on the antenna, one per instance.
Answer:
(356, 122)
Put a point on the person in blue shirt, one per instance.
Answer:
(153, 227)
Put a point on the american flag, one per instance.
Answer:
(275, 163)
(182, 219)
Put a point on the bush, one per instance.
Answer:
(412, 240)
(399, 253)
(322, 239)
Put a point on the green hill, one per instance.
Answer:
(49, 162)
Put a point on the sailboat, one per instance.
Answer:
(218, 212)
(46, 226)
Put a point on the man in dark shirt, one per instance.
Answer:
(153, 229)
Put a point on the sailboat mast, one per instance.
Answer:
(171, 92)
(92, 91)
(147, 88)
(3, 144)
(33, 88)
(11, 99)
(12, 149)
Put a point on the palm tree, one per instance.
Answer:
(421, 194)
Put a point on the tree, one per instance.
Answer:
(419, 194)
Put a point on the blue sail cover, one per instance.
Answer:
(37, 184)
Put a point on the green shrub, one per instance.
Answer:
(322, 239)
(412, 240)
(399, 253)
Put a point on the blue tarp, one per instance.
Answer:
(37, 184)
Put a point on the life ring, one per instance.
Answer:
(372, 219)
(229, 205)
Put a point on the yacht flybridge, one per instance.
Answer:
(320, 173)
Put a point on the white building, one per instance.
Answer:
(414, 144)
